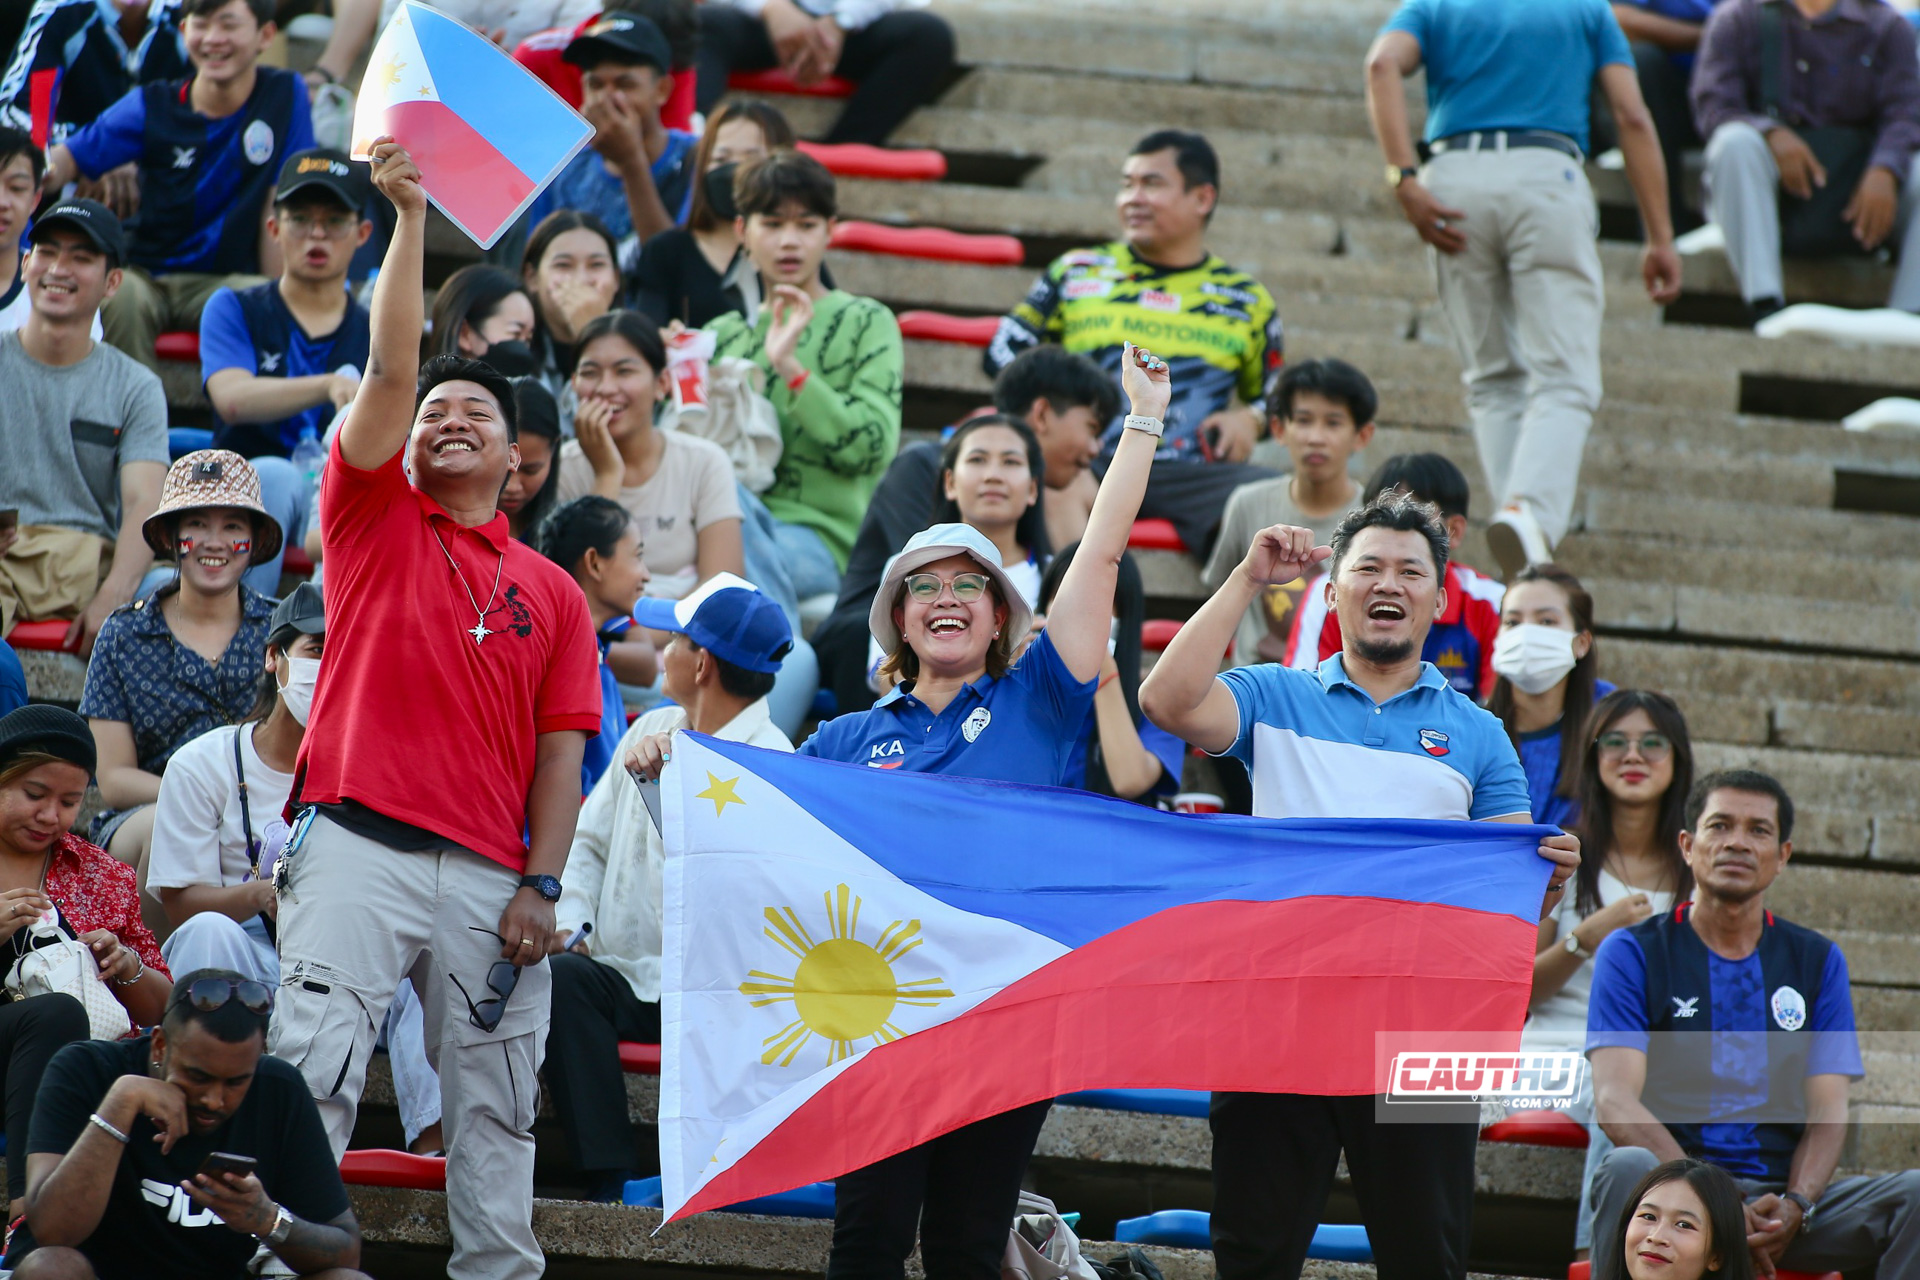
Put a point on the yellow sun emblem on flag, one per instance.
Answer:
(387, 73)
(844, 990)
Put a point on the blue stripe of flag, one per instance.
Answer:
(500, 99)
(1075, 866)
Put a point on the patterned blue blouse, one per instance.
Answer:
(142, 676)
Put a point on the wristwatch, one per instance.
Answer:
(1577, 948)
(1152, 426)
(282, 1227)
(547, 887)
(1399, 173)
(1806, 1207)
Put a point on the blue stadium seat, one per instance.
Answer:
(1188, 1229)
(1157, 1102)
(182, 441)
(815, 1200)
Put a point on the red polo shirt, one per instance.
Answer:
(412, 718)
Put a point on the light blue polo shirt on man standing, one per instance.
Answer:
(1318, 746)
(1512, 64)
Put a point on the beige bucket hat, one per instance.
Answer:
(212, 478)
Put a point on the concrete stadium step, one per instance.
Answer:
(406, 1237)
(1627, 550)
(1316, 47)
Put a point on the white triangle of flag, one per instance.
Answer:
(396, 73)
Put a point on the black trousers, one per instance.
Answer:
(593, 1011)
(1664, 86)
(899, 61)
(959, 1191)
(1274, 1157)
(31, 1032)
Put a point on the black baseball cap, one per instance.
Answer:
(630, 39)
(348, 181)
(302, 613)
(91, 219)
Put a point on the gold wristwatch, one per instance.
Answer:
(1397, 174)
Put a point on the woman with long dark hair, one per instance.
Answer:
(697, 272)
(1119, 752)
(598, 541)
(483, 312)
(571, 272)
(1547, 670)
(532, 487)
(1635, 769)
(992, 475)
(1685, 1221)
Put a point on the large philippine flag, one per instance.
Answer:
(858, 960)
(486, 134)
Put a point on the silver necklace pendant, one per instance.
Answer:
(479, 631)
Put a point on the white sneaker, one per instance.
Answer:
(1516, 540)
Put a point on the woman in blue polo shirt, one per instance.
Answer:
(950, 621)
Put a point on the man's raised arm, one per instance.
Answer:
(382, 415)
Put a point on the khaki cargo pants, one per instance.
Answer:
(51, 572)
(355, 918)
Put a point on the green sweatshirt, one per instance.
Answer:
(841, 432)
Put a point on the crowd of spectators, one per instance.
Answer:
(651, 477)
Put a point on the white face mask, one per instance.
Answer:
(297, 692)
(1534, 657)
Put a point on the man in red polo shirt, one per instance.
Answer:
(440, 774)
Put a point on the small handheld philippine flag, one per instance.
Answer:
(487, 135)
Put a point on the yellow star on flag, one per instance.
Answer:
(721, 793)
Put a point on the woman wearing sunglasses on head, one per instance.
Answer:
(1636, 768)
(46, 758)
(950, 620)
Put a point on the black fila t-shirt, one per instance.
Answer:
(152, 1230)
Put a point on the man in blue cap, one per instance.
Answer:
(728, 641)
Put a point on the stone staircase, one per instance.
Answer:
(1746, 554)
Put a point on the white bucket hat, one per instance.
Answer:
(937, 543)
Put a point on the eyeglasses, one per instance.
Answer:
(967, 587)
(208, 994)
(334, 224)
(1653, 746)
(502, 977)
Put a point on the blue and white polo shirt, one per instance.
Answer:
(1318, 746)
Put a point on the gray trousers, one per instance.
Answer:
(1524, 302)
(1859, 1222)
(1743, 197)
(355, 918)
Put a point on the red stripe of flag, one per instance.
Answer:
(1270, 997)
(473, 182)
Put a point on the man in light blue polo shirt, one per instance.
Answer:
(1372, 732)
(1504, 203)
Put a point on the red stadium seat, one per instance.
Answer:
(383, 1168)
(1155, 535)
(183, 345)
(296, 561)
(937, 326)
(1157, 633)
(858, 160)
(1537, 1129)
(778, 81)
(934, 244)
(639, 1059)
(48, 637)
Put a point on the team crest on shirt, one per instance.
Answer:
(257, 142)
(976, 724)
(1434, 742)
(1789, 1009)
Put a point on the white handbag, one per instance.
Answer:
(56, 961)
(1042, 1246)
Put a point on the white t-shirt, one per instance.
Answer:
(692, 488)
(1560, 1021)
(198, 837)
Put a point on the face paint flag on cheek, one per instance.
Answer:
(186, 547)
(242, 546)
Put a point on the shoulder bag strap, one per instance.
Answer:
(246, 813)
